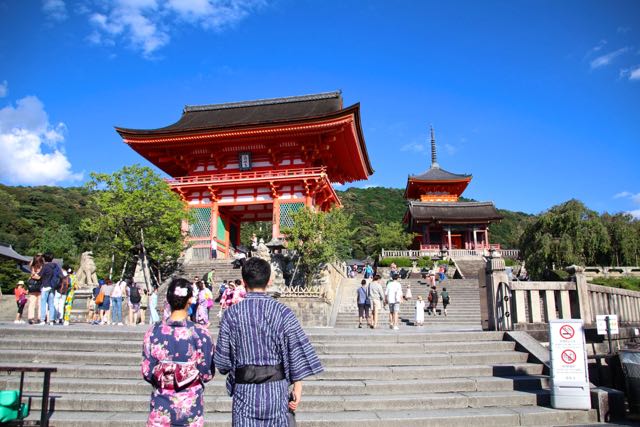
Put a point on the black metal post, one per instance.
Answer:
(609, 335)
(44, 415)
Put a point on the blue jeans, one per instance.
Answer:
(46, 300)
(116, 309)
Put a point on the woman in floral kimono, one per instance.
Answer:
(202, 310)
(177, 361)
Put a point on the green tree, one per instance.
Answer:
(318, 238)
(566, 234)
(131, 204)
(57, 239)
(390, 235)
(625, 239)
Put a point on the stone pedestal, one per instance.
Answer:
(80, 306)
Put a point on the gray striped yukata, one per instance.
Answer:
(262, 331)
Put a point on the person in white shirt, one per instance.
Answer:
(393, 296)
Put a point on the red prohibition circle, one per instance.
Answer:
(567, 332)
(568, 356)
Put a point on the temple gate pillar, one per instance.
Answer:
(275, 233)
(475, 238)
(449, 238)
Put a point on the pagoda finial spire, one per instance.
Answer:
(434, 157)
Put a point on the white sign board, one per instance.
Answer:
(569, 379)
(601, 323)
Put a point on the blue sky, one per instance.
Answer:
(540, 101)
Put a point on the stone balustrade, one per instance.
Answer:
(430, 252)
(514, 304)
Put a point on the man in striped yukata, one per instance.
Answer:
(263, 350)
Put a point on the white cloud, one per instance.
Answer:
(632, 73)
(606, 59)
(147, 25)
(32, 149)
(55, 9)
(596, 48)
(622, 194)
(416, 147)
(4, 88)
(635, 213)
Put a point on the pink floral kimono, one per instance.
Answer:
(177, 361)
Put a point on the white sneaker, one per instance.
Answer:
(16, 321)
(395, 328)
(66, 323)
(42, 323)
(120, 324)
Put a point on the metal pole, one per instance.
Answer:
(609, 335)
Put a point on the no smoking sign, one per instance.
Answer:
(567, 332)
(568, 356)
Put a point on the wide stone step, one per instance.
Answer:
(312, 387)
(346, 359)
(311, 403)
(463, 417)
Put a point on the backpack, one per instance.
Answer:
(33, 285)
(100, 297)
(445, 299)
(134, 295)
(64, 284)
(56, 277)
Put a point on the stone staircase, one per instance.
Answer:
(462, 313)
(224, 270)
(376, 378)
(469, 266)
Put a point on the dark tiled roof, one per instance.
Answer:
(6, 251)
(453, 211)
(262, 111)
(438, 174)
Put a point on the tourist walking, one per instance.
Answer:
(60, 296)
(119, 289)
(433, 301)
(368, 271)
(34, 286)
(408, 295)
(177, 360)
(376, 295)
(20, 293)
(445, 300)
(419, 317)
(105, 307)
(393, 296)
(144, 304)
(202, 313)
(364, 302)
(68, 301)
(50, 276)
(263, 350)
(134, 303)
(153, 306)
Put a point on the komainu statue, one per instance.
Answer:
(86, 274)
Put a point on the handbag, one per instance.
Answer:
(33, 286)
(100, 297)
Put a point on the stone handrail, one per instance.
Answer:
(300, 291)
(608, 300)
(516, 303)
(535, 302)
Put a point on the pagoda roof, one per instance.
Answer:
(247, 113)
(435, 173)
(455, 212)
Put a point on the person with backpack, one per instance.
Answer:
(134, 303)
(34, 286)
(60, 295)
(50, 277)
(364, 302)
(445, 300)
(433, 301)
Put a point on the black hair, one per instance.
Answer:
(364, 282)
(48, 257)
(256, 273)
(238, 282)
(376, 277)
(178, 302)
(444, 289)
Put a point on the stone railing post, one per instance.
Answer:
(584, 299)
(493, 312)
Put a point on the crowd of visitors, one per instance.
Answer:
(371, 298)
(261, 348)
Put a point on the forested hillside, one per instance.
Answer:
(36, 219)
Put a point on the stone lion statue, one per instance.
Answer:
(86, 274)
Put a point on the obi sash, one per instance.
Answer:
(256, 374)
(176, 376)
